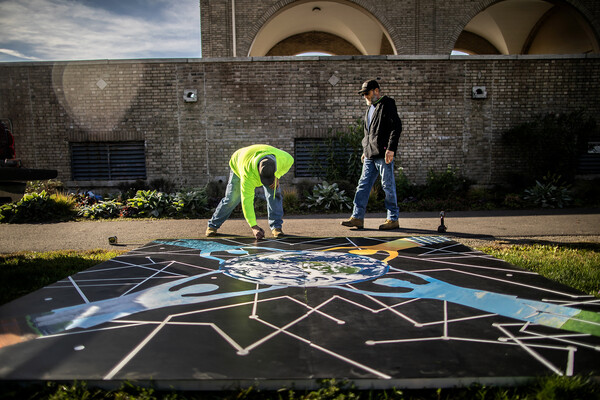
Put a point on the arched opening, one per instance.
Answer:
(527, 27)
(331, 27)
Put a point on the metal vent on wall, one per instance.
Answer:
(108, 160)
(312, 156)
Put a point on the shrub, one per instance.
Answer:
(190, 203)
(50, 186)
(404, 188)
(446, 183)
(149, 203)
(129, 189)
(103, 209)
(513, 201)
(327, 196)
(39, 207)
(549, 193)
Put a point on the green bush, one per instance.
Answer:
(190, 203)
(446, 183)
(149, 203)
(327, 197)
(103, 209)
(129, 189)
(50, 186)
(549, 193)
(39, 207)
(404, 188)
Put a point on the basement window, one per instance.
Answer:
(108, 160)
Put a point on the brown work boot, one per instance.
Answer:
(277, 233)
(389, 224)
(354, 223)
(210, 232)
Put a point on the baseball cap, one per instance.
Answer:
(266, 170)
(368, 85)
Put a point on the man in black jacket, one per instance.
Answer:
(382, 128)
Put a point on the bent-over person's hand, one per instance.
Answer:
(258, 232)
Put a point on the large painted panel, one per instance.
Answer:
(381, 312)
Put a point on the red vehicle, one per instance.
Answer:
(13, 177)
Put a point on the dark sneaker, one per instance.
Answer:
(354, 223)
(210, 232)
(277, 233)
(388, 224)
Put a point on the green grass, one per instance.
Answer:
(25, 272)
(575, 265)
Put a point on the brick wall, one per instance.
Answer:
(415, 26)
(274, 100)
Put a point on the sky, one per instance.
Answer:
(64, 30)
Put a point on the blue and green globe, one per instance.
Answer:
(304, 268)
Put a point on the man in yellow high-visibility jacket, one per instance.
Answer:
(252, 167)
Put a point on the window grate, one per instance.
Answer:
(310, 158)
(108, 160)
(314, 156)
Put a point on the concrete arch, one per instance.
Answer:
(361, 26)
(526, 32)
(309, 42)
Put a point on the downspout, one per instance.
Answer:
(233, 26)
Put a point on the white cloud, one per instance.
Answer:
(75, 30)
(17, 54)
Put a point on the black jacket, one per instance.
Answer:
(384, 132)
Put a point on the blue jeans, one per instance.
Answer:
(371, 169)
(233, 197)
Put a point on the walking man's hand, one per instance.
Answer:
(389, 156)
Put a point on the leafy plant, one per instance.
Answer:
(446, 183)
(549, 193)
(50, 186)
(191, 203)
(404, 188)
(39, 207)
(103, 209)
(129, 189)
(327, 196)
(149, 203)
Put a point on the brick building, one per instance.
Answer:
(101, 122)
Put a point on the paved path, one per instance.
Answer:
(470, 228)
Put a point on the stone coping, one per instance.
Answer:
(309, 58)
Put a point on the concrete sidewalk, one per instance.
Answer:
(473, 229)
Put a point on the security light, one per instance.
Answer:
(190, 95)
